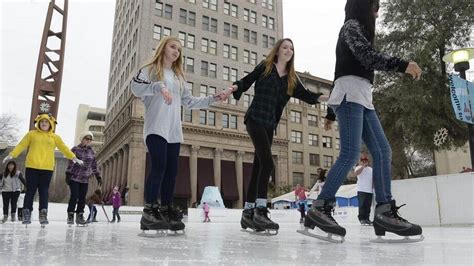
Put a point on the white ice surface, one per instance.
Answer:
(218, 243)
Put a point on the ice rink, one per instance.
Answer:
(222, 244)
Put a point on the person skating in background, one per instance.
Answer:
(95, 198)
(40, 162)
(300, 198)
(11, 184)
(275, 83)
(206, 209)
(77, 177)
(162, 87)
(116, 203)
(364, 189)
(351, 98)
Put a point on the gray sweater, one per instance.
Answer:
(12, 184)
(160, 118)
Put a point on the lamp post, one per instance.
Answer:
(460, 58)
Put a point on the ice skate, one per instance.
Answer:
(5, 218)
(153, 220)
(70, 219)
(263, 224)
(365, 222)
(301, 220)
(43, 217)
(387, 219)
(174, 218)
(320, 215)
(13, 219)
(80, 220)
(26, 217)
(247, 221)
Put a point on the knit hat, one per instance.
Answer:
(84, 134)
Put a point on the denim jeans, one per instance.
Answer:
(37, 179)
(357, 123)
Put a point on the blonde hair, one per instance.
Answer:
(156, 61)
(290, 65)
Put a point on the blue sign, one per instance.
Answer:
(462, 98)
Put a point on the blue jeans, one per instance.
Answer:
(37, 179)
(357, 123)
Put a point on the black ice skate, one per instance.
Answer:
(80, 219)
(320, 215)
(13, 219)
(174, 218)
(387, 219)
(43, 217)
(152, 219)
(247, 221)
(26, 217)
(5, 218)
(70, 218)
(262, 223)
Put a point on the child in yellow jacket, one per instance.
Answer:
(40, 143)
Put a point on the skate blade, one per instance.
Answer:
(405, 239)
(81, 225)
(176, 232)
(267, 232)
(328, 238)
(157, 233)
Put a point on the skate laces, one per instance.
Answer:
(396, 214)
(328, 212)
(265, 213)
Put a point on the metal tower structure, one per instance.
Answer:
(49, 70)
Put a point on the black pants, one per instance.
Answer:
(302, 208)
(262, 138)
(115, 212)
(37, 180)
(164, 168)
(365, 202)
(78, 196)
(10, 198)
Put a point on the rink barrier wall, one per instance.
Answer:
(430, 201)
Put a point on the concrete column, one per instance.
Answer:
(240, 177)
(217, 167)
(124, 176)
(137, 155)
(193, 172)
(118, 178)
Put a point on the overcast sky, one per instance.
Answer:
(312, 24)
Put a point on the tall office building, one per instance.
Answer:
(222, 41)
(90, 119)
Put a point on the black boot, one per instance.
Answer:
(261, 220)
(320, 215)
(173, 216)
(43, 217)
(387, 219)
(70, 218)
(26, 216)
(80, 219)
(247, 219)
(152, 219)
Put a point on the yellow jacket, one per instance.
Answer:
(41, 146)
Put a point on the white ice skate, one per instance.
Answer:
(328, 238)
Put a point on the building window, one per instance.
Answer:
(297, 157)
(264, 21)
(226, 29)
(211, 4)
(213, 47)
(246, 14)
(202, 117)
(298, 178)
(234, 52)
(203, 91)
(296, 136)
(186, 17)
(225, 73)
(209, 24)
(233, 121)
(168, 11)
(265, 41)
(211, 118)
(225, 120)
(246, 35)
(159, 8)
(253, 17)
(204, 68)
(253, 37)
(327, 161)
(246, 56)
(226, 8)
(187, 40)
(204, 45)
(327, 142)
(271, 23)
(295, 117)
(188, 115)
(189, 64)
(313, 140)
(246, 100)
(212, 70)
(253, 58)
(312, 120)
(234, 33)
(214, 25)
(159, 32)
(234, 11)
(338, 144)
(191, 19)
(314, 159)
(294, 100)
(226, 51)
(272, 41)
(233, 74)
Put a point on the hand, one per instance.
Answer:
(323, 98)
(166, 95)
(414, 70)
(223, 95)
(328, 124)
(78, 161)
(6, 159)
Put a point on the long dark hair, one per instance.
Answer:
(363, 12)
(7, 172)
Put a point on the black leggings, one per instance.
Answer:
(263, 161)
(164, 168)
(10, 198)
